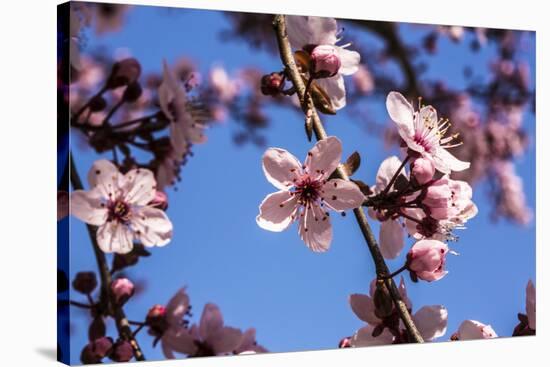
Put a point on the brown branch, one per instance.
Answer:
(382, 270)
(121, 321)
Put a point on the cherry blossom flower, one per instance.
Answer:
(305, 31)
(426, 259)
(248, 344)
(118, 205)
(472, 329)
(530, 305)
(211, 337)
(422, 170)
(168, 326)
(391, 229)
(431, 321)
(424, 133)
(122, 289)
(306, 192)
(185, 128)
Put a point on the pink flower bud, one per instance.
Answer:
(85, 282)
(271, 84)
(96, 350)
(423, 170)
(438, 200)
(122, 290)
(160, 200)
(325, 61)
(124, 72)
(122, 351)
(156, 319)
(426, 259)
(345, 343)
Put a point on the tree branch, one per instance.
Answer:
(382, 270)
(121, 321)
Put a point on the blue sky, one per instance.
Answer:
(296, 299)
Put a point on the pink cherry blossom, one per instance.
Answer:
(118, 205)
(225, 87)
(185, 128)
(530, 305)
(472, 329)
(122, 289)
(423, 170)
(391, 234)
(431, 321)
(211, 337)
(306, 192)
(168, 326)
(426, 259)
(314, 31)
(249, 344)
(424, 133)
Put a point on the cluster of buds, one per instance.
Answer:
(104, 347)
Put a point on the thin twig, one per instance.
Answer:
(382, 270)
(122, 324)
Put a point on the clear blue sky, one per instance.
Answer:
(296, 299)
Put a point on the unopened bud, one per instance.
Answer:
(423, 170)
(325, 61)
(156, 319)
(271, 84)
(123, 73)
(122, 290)
(85, 282)
(122, 351)
(96, 350)
(132, 92)
(97, 104)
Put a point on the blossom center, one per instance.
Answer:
(120, 211)
(308, 190)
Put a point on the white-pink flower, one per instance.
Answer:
(391, 229)
(211, 337)
(472, 329)
(431, 321)
(306, 192)
(185, 128)
(424, 133)
(317, 31)
(531, 305)
(118, 205)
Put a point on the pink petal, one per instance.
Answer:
(431, 321)
(342, 195)
(139, 186)
(304, 30)
(281, 168)
(363, 307)
(445, 162)
(350, 61)
(166, 90)
(385, 172)
(401, 112)
(86, 206)
(177, 306)
(531, 304)
(152, 226)
(114, 237)
(363, 337)
(277, 211)
(472, 329)
(324, 157)
(315, 228)
(178, 340)
(391, 238)
(225, 340)
(105, 176)
(211, 321)
(335, 89)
